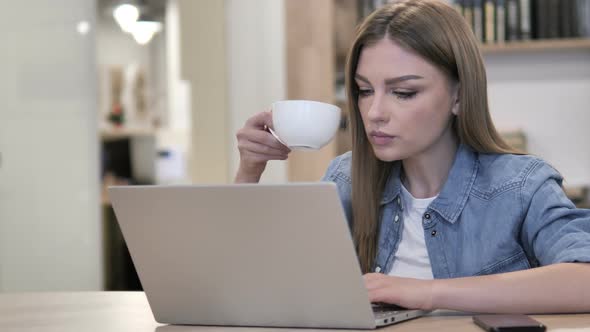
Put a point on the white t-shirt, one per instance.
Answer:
(411, 258)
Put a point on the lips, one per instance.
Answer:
(380, 138)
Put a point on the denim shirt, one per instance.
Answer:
(496, 213)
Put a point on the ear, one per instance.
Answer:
(455, 98)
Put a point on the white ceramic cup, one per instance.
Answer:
(305, 124)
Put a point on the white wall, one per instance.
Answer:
(548, 96)
(203, 64)
(158, 67)
(179, 90)
(257, 69)
(177, 132)
(50, 231)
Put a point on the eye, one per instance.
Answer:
(404, 95)
(364, 92)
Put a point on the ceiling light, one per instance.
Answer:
(145, 28)
(83, 27)
(126, 16)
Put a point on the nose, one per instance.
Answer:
(377, 111)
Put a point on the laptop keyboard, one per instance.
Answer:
(386, 310)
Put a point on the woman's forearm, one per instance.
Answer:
(555, 288)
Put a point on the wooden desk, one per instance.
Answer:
(129, 311)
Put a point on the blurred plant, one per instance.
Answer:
(116, 115)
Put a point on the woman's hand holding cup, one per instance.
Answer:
(257, 146)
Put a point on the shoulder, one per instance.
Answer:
(339, 168)
(339, 173)
(505, 171)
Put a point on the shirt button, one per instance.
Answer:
(399, 201)
(396, 219)
(378, 269)
(427, 216)
(433, 233)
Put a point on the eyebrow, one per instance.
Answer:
(391, 81)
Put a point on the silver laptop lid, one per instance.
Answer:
(249, 255)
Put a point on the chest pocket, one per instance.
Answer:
(515, 262)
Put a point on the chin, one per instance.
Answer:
(388, 154)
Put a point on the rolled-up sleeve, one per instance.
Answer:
(553, 230)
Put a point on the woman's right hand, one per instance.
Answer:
(257, 146)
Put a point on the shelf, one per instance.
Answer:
(536, 45)
(108, 134)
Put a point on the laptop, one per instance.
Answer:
(247, 255)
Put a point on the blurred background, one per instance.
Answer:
(101, 92)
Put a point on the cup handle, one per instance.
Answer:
(275, 135)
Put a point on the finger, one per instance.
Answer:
(377, 280)
(264, 138)
(261, 149)
(374, 296)
(380, 295)
(260, 120)
(265, 145)
(261, 158)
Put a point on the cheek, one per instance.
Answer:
(439, 106)
(364, 105)
(427, 119)
(411, 123)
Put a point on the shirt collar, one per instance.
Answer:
(453, 197)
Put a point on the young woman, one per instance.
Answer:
(444, 213)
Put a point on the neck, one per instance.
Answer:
(426, 173)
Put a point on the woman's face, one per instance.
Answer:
(406, 103)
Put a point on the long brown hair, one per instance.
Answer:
(439, 34)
